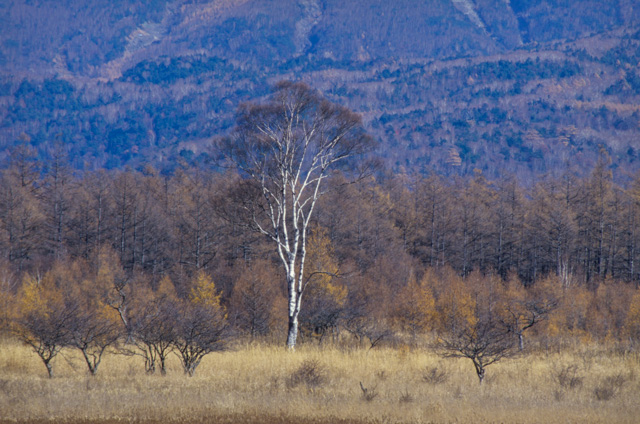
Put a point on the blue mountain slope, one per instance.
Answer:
(522, 86)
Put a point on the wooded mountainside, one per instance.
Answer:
(506, 87)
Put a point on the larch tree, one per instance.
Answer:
(9, 285)
(630, 237)
(432, 210)
(632, 322)
(285, 149)
(415, 308)
(327, 295)
(197, 244)
(21, 216)
(56, 201)
(254, 297)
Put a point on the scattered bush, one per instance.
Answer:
(406, 397)
(310, 373)
(609, 387)
(568, 377)
(368, 394)
(435, 375)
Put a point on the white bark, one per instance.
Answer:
(286, 147)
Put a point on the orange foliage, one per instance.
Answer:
(258, 303)
(321, 271)
(204, 292)
(632, 322)
(415, 307)
(455, 304)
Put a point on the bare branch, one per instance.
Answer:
(286, 147)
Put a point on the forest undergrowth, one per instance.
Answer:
(262, 383)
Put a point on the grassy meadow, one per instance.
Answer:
(266, 384)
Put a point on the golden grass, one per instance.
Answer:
(252, 384)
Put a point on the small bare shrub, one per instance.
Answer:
(609, 387)
(310, 373)
(381, 375)
(568, 377)
(274, 384)
(406, 397)
(368, 394)
(457, 393)
(435, 375)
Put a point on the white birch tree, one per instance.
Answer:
(285, 149)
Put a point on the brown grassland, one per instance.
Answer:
(262, 383)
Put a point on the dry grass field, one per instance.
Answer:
(267, 384)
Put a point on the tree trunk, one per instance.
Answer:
(49, 368)
(292, 334)
(520, 341)
(479, 370)
(149, 360)
(294, 306)
(91, 364)
(163, 367)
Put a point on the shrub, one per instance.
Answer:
(310, 373)
(435, 375)
(609, 387)
(568, 377)
(406, 397)
(368, 394)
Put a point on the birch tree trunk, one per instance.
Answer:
(284, 149)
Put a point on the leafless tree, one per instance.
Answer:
(200, 330)
(46, 333)
(361, 316)
(153, 332)
(285, 150)
(521, 315)
(484, 343)
(92, 333)
(367, 327)
(321, 316)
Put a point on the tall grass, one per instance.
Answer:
(265, 383)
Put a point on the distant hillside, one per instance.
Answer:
(519, 86)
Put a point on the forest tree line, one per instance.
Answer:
(393, 254)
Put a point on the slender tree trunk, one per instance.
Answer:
(163, 367)
(49, 368)
(292, 334)
(520, 341)
(294, 311)
(91, 364)
(479, 371)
